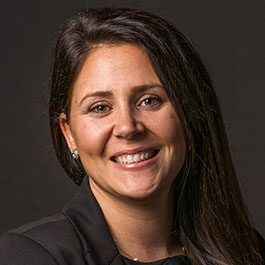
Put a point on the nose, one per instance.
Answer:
(127, 125)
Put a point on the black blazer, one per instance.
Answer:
(77, 236)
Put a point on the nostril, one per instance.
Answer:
(128, 128)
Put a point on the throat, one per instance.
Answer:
(145, 239)
(151, 253)
(141, 231)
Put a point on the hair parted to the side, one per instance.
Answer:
(211, 217)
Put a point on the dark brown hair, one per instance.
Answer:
(211, 219)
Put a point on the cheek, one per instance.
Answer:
(90, 136)
(174, 136)
(171, 131)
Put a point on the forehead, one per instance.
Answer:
(115, 66)
(115, 57)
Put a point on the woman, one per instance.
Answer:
(134, 117)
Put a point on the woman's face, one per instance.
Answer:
(128, 134)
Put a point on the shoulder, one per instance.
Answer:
(18, 249)
(47, 241)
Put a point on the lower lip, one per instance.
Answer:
(139, 165)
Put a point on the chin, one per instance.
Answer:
(140, 192)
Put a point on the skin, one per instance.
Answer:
(119, 106)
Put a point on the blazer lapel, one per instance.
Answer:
(85, 214)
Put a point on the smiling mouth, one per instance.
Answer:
(135, 158)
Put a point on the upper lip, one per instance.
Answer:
(133, 151)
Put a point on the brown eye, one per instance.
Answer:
(148, 101)
(151, 101)
(100, 108)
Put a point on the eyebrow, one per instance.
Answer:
(109, 94)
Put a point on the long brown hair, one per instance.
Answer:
(211, 218)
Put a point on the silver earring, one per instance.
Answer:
(75, 154)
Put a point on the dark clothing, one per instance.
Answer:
(178, 260)
(77, 236)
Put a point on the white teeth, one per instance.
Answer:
(136, 158)
(128, 159)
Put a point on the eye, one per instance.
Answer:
(99, 108)
(151, 101)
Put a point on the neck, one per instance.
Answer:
(141, 229)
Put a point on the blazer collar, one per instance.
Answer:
(85, 214)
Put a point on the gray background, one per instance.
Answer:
(229, 36)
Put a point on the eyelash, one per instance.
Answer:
(95, 108)
(152, 97)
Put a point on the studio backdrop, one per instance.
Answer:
(230, 37)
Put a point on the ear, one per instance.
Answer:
(66, 130)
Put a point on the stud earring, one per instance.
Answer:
(75, 154)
